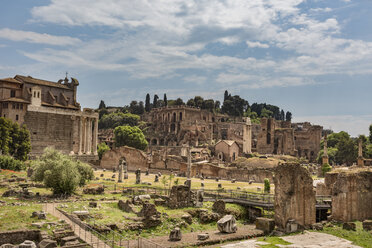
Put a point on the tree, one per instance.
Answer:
(147, 103)
(370, 133)
(101, 149)
(130, 136)
(225, 95)
(60, 172)
(266, 185)
(165, 100)
(15, 140)
(9, 163)
(209, 104)
(288, 116)
(282, 115)
(191, 103)
(113, 120)
(155, 103)
(347, 151)
(179, 102)
(266, 113)
(164, 181)
(198, 100)
(136, 107)
(326, 168)
(217, 105)
(102, 105)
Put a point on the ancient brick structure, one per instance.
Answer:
(51, 113)
(294, 196)
(227, 150)
(352, 195)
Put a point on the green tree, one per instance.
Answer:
(102, 105)
(147, 103)
(282, 115)
(118, 119)
(332, 151)
(137, 108)
(101, 149)
(155, 103)
(60, 172)
(9, 163)
(15, 140)
(191, 103)
(165, 100)
(346, 151)
(288, 116)
(370, 134)
(326, 168)
(130, 136)
(266, 113)
(199, 101)
(179, 102)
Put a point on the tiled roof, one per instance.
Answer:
(56, 105)
(37, 81)
(12, 80)
(228, 142)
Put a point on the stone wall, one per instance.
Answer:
(352, 195)
(18, 236)
(294, 195)
(135, 159)
(49, 130)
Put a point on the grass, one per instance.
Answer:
(358, 237)
(273, 242)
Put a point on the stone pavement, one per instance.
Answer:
(306, 240)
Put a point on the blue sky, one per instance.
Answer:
(313, 58)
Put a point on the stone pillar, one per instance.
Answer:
(89, 136)
(247, 136)
(95, 136)
(125, 170)
(81, 136)
(86, 140)
(120, 172)
(138, 176)
(360, 153)
(325, 151)
(294, 197)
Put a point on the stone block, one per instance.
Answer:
(187, 218)
(47, 243)
(265, 224)
(175, 234)
(350, 226)
(367, 225)
(219, 206)
(27, 244)
(203, 236)
(227, 224)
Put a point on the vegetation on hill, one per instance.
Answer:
(130, 136)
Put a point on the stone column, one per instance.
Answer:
(89, 136)
(81, 136)
(325, 151)
(360, 154)
(86, 135)
(247, 136)
(95, 136)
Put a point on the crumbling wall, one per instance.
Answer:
(294, 195)
(135, 158)
(18, 236)
(352, 196)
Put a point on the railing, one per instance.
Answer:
(145, 243)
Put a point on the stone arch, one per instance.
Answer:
(154, 142)
(161, 142)
(220, 156)
(174, 118)
(180, 118)
(173, 127)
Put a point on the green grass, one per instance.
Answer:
(273, 242)
(358, 237)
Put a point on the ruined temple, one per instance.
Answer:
(51, 113)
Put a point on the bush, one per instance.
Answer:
(60, 172)
(326, 168)
(266, 185)
(102, 148)
(9, 163)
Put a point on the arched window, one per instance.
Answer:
(180, 116)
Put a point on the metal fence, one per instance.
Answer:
(145, 243)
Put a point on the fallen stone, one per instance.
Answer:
(92, 204)
(350, 226)
(317, 226)
(175, 234)
(27, 244)
(7, 246)
(47, 243)
(126, 206)
(203, 236)
(160, 202)
(367, 225)
(265, 224)
(82, 215)
(219, 206)
(187, 218)
(227, 224)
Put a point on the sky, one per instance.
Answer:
(310, 57)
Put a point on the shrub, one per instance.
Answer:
(266, 185)
(60, 172)
(102, 148)
(326, 168)
(9, 163)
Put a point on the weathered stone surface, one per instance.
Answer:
(47, 243)
(206, 217)
(7, 246)
(160, 202)
(138, 176)
(265, 224)
(151, 217)
(94, 190)
(227, 224)
(203, 236)
(350, 226)
(294, 195)
(181, 196)
(187, 218)
(133, 226)
(82, 215)
(219, 206)
(92, 204)
(126, 206)
(175, 234)
(317, 226)
(27, 244)
(352, 195)
(367, 225)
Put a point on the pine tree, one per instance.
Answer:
(226, 95)
(147, 103)
(282, 115)
(155, 103)
(165, 100)
(288, 116)
(102, 105)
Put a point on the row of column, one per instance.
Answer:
(88, 135)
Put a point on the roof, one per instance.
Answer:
(228, 142)
(15, 99)
(11, 80)
(56, 105)
(37, 81)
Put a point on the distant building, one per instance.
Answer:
(227, 150)
(51, 113)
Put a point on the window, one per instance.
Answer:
(21, 105)
(38, 94)
(34, 93)
(12, 93)
(16, 117)
(17, 105)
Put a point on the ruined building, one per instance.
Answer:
(179, 125)
(51, 113)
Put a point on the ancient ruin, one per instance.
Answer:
(294, 196)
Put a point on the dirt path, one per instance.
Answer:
(87, 236)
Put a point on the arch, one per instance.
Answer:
(173, 127)
(174, 117)
(268, 139)
(154, 142)
(161, 142)
(180, 116)
(220, 156)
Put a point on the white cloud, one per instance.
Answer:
(353, 124)
(32, 37)
(257, 44)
